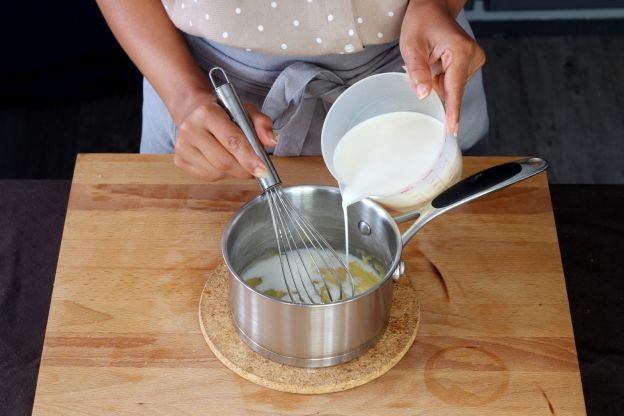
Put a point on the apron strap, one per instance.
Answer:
(292, 99)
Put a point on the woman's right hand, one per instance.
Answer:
(210, 146)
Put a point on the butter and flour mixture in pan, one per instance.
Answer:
(326, 283)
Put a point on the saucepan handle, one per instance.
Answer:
(473, 187)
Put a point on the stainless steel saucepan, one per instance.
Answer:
(320, 335)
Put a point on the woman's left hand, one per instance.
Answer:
(430, 35)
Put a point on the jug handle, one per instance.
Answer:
(468, 189)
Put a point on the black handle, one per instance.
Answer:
(477, 183)
(473, 187)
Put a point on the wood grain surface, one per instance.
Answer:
(141, 238)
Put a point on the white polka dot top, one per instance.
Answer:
(291, 27)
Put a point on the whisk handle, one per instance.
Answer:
(229, 99)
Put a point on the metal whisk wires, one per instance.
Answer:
(313, 272)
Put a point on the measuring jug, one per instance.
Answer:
(383, 94)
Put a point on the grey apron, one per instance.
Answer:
(297, 92)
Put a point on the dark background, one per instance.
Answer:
(554, 88)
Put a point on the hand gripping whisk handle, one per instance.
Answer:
(229, 99)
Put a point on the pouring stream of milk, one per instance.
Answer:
(385, 154)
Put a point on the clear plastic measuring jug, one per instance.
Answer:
(391, 93)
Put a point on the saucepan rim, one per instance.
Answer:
(256, 200)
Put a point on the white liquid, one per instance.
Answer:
(346, 230)
(266, 276)
(385, 154)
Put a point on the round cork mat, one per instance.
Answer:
(222, 337)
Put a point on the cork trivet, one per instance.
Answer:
(222, 337)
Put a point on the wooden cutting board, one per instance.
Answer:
(141, 238)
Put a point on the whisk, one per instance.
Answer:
(310, 266)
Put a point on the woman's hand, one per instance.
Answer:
(210, 146)
(430, 34)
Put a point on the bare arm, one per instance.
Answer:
(209, 145)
